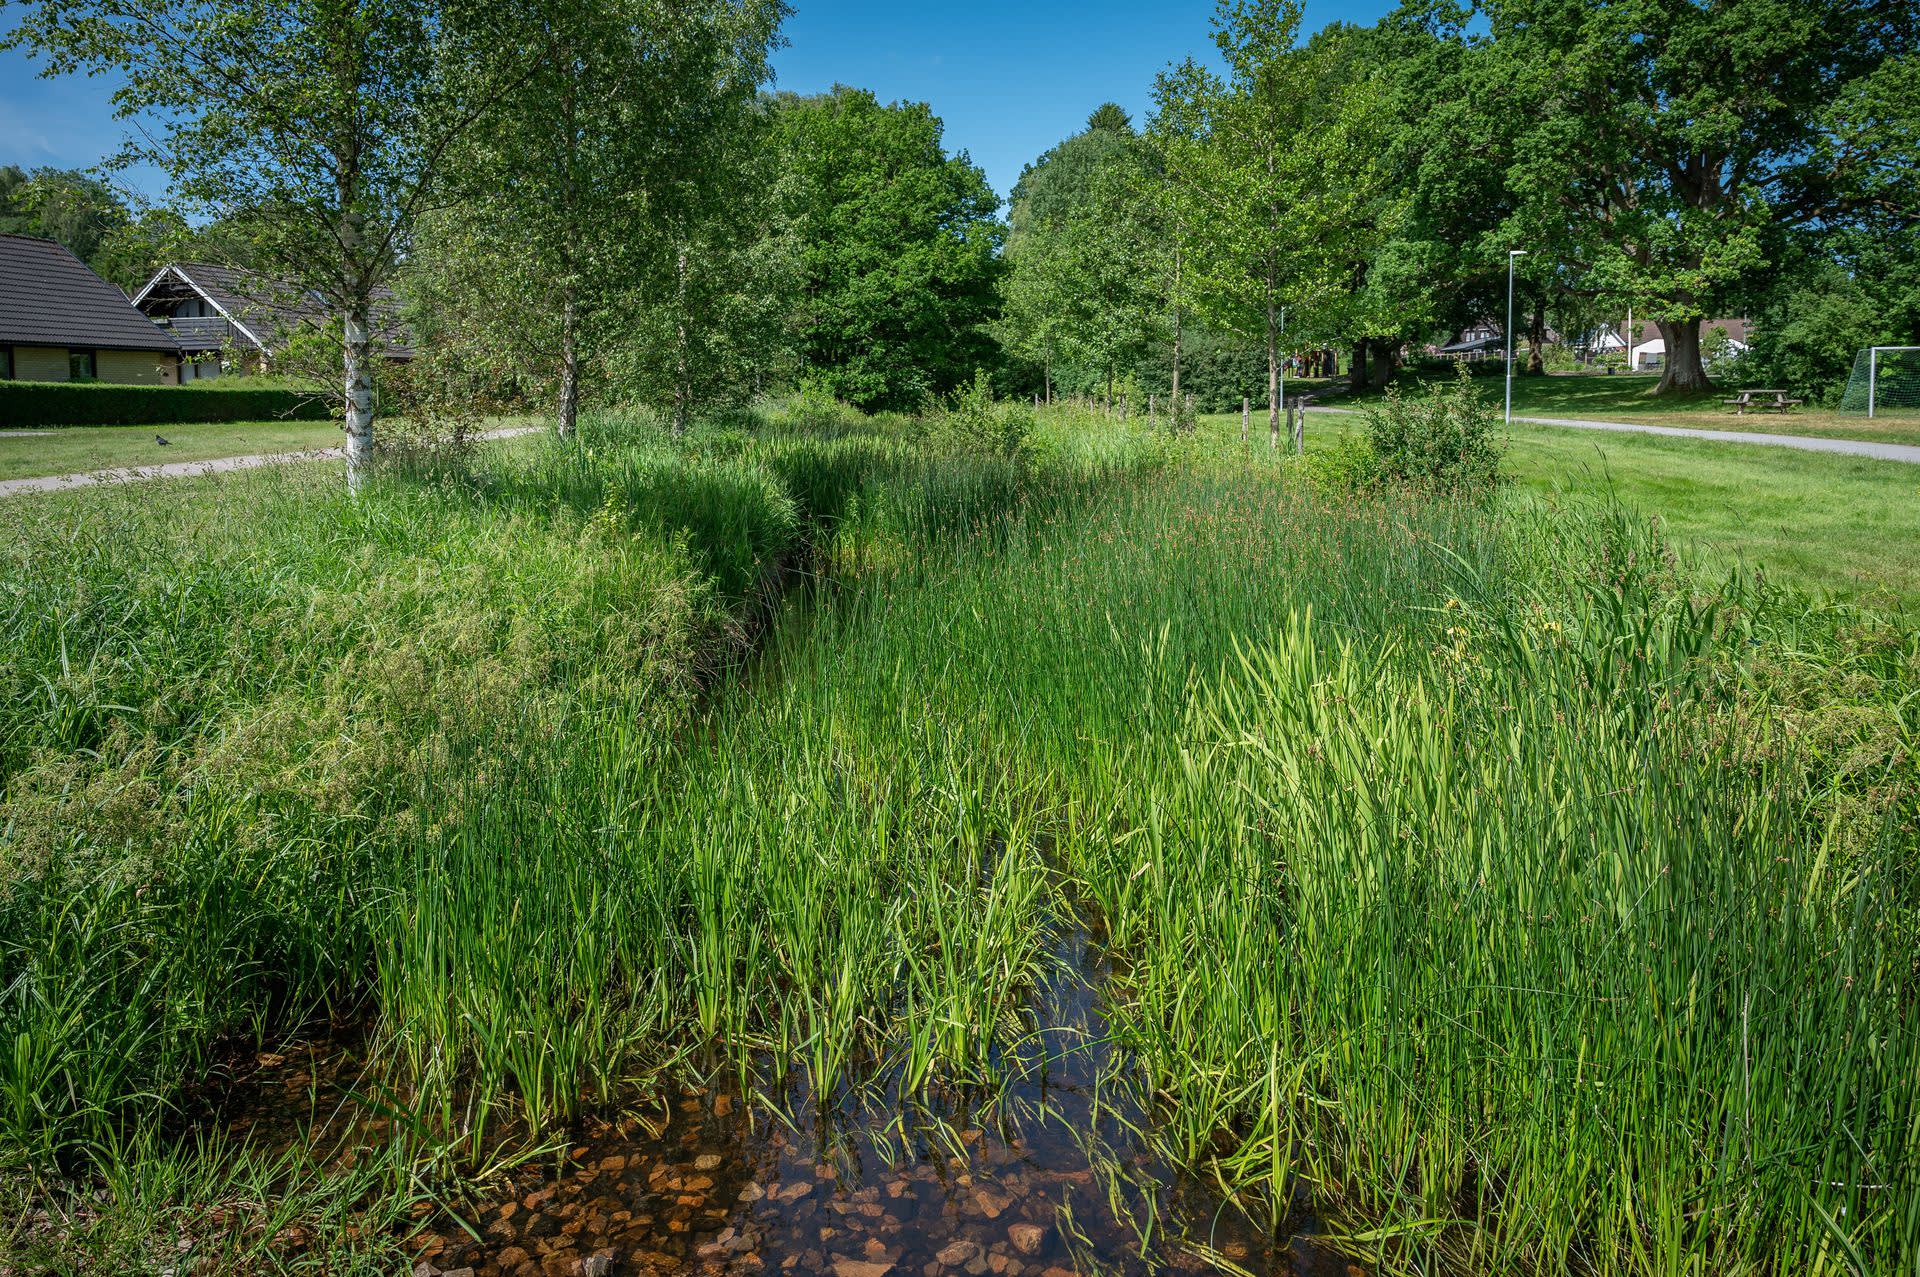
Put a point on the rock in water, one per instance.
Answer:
(843, 1267)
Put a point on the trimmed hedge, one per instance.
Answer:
(53, 403)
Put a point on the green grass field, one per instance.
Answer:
(54, 450)
(1839, 527)
(1844, 527)
(1628, 397)
(1465, 867)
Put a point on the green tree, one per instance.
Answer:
(899, 248)
(1660, 149)
(1083, 255)
(66, 205)
(316, 128)
(580, 188)
(1272, 154)
(717, 326)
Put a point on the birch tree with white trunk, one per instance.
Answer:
(316, 129)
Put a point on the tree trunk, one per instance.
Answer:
(1177, 334)
(1273, 359)
(1357, 367)
(1684, 371)
(358, 363)
(682, 378)
(1537, 341)
(569, 411)
(1384, 350)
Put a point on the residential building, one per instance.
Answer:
(61, 322)
(230, 320)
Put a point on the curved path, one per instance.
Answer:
(1906, 452)
(188, 469)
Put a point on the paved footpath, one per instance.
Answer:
(1906, 452)
(189, 469)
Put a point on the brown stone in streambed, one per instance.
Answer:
(956, 1253)
(722, 1105)
(706, 1162)
(845, 1267)
(752, 1192)
(990, 1202)
(512, 1257)
(1027, 1238)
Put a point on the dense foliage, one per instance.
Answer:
(898, 249)
(1574, 825)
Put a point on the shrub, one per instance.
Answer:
(37, 403)
(1443, 439)
(976, 422)
(1349, 465)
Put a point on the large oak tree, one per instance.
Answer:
(1661, 146)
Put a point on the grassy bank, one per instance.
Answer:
(1465, 868)
(1826, 524)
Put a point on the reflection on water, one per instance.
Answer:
(1052, 1175)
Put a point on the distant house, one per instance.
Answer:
(1649, 352)
(221, 313)
(1482, 341)
(61, 322)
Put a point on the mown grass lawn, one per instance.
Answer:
(1629, 397)
(1845, 527)
(53, 450)
(1837, 526)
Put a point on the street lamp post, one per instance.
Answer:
(1511, 254)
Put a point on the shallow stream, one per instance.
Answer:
(1053, 1174)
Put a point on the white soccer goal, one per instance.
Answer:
(1885, 379)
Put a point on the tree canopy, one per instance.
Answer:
(898, 248)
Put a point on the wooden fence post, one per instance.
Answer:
(1300, 426)
(1246, 417)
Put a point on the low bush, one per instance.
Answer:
(1445, 439)
(38, 403)
(974, 420)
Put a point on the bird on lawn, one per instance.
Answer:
(162, 440)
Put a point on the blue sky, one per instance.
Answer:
(1009, 78)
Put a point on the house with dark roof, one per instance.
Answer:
(227, 318)
(61, 322)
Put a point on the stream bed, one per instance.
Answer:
(1053, 1174)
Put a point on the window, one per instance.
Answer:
(80, 365)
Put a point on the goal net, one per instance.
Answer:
(1885, 382)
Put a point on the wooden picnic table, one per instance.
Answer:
(1762, 400)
